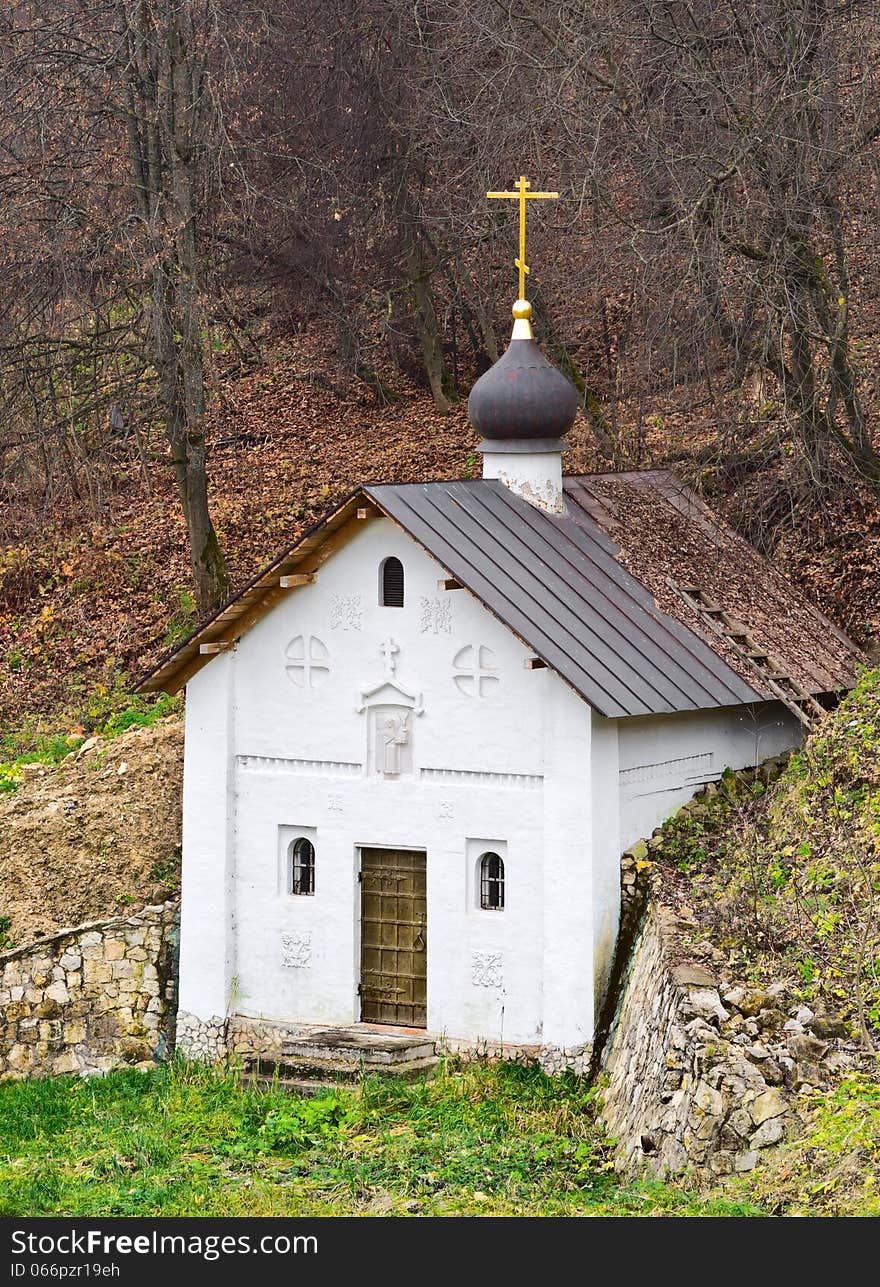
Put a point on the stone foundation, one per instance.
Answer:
(202, 1039)
(554, 1060)
(242, 1038)
(90, 998)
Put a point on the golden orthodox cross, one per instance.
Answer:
(522, 195)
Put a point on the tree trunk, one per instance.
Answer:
(167, 144)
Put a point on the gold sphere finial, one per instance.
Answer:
(522, 326)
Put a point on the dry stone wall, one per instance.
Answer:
(679, 1093)
(91, 998)
(702, 1074)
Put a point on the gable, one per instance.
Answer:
(561, 585)
(331, 665)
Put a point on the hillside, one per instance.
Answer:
(783, 879)
(90, 836)
(89, 599)
(775, 882)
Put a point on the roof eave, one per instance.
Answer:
(230, 621)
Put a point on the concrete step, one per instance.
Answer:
(358, 1047)
(293, 1086)
(310, 1075)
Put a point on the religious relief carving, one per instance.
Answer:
(334, 803)
(390, 708)
(296, 950)
(474, 671)
(346, 611)
(394, 740)
(435, 615)
(487, 969)
(308, 661)
(445, 809)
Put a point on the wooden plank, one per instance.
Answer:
(218, 645)
(297, 578)
(767, 668)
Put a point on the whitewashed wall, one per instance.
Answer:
(665, 759)
(277, 746)
(480, 774)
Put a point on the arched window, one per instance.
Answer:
(392, 583)
(492, 883)
(302, 867)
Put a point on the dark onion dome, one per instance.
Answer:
(523, 396)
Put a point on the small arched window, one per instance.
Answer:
(392, 583)
(492, 883)
(302, 867)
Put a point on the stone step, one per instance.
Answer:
(292, 1086)
(299, 1074)
(370, 1049)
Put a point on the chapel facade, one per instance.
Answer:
(418, 743)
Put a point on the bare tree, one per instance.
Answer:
(106, 170)
(164, 73)
(746, 128)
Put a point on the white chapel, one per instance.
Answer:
(419, 741)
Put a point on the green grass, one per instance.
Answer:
(478, 1140)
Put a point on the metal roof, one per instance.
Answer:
(667, 537)
(557, 585)
(564, 585)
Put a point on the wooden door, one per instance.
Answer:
(394, 937)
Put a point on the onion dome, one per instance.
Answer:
(523, 398)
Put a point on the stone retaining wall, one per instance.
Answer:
(91, 998)
(681, 1091)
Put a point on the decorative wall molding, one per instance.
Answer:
(445, 809)
(435, 615)
(307, 661)
(334, 803)
(686, 764)
(390, 707)
(296, 949)
(470, 777)
(346, 611)
(310, 768)
(474, 671)
(487, 969)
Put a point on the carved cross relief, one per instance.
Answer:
(474, 670)
(389, 651)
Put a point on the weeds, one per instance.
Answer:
(184, 1139)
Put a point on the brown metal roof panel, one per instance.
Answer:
(513, 566)
(598, 602)
(627, 606)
